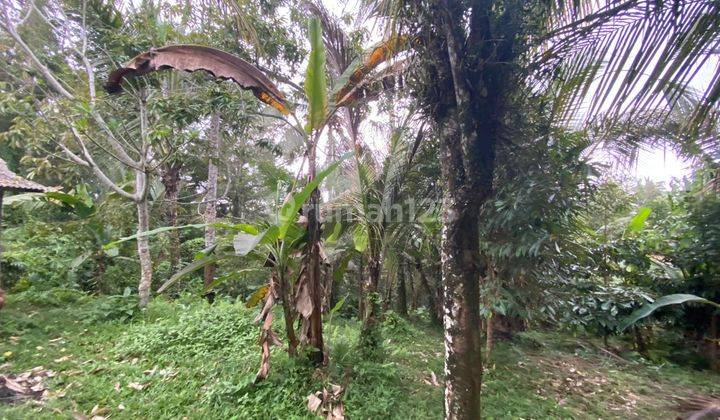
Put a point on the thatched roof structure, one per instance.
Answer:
(9, 180)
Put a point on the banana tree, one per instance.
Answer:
(321, 109)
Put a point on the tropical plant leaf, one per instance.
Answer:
(638, 221)
(190, 268)
(290, 209)
(336, 232)
(361, 237)
(649, 308)
(339, 272)
(257, 296)
(21, 198)
(355, 74)
(152, 232)
(315, 81)
(191, 58)
(245, 242)
(230, 276)
(338, 305)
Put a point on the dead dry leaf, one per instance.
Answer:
(136, 386)
(314, 402)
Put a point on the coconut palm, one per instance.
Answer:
(478, 62)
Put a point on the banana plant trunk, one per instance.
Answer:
(288, 314)
(311, 286)
(314, 333)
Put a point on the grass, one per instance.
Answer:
(188, 359)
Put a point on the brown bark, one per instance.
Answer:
(314, 279)
(2, 192)
(715, 343)
(489, 334)
(311, 329)
(432, 301)
(413, 293)
(369, 333)
(210, 213)
(402, 290)
(460, 255)
(639, 340)
(288, 315)
(361, 289)
(171, 181)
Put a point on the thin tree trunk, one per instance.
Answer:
(639, 340)
(288, 315)
(489, 334)
(715, 343)
(2, 192)
(402, 291)
(171, 182)
(370, 334)
(143, 245)
(210, 213)
(433, 309)
(361, 289)
(413, 293)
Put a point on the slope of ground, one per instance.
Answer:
(188, 359)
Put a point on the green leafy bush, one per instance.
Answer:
(55, 297)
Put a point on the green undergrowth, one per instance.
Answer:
(186, 358)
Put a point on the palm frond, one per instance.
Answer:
(631, 57)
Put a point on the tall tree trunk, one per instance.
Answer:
(2, 192)
(402, 292)
(432, 301)
(715, 343)
(210, 213)
(489, 334)
(413, 293)
(361, 289)
(143, 245)
(308, 299)
(370, 333)
(171, 182)
(463, 363)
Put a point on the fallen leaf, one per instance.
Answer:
(433, 378)
(136, 386)
(63, 359)
(313, 402)
(337, 413)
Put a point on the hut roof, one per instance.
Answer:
(9, 180)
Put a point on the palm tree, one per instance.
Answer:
(479, 61)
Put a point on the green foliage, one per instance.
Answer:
(197, 330)
(56, 297)
(649, 308)
(315, 81)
